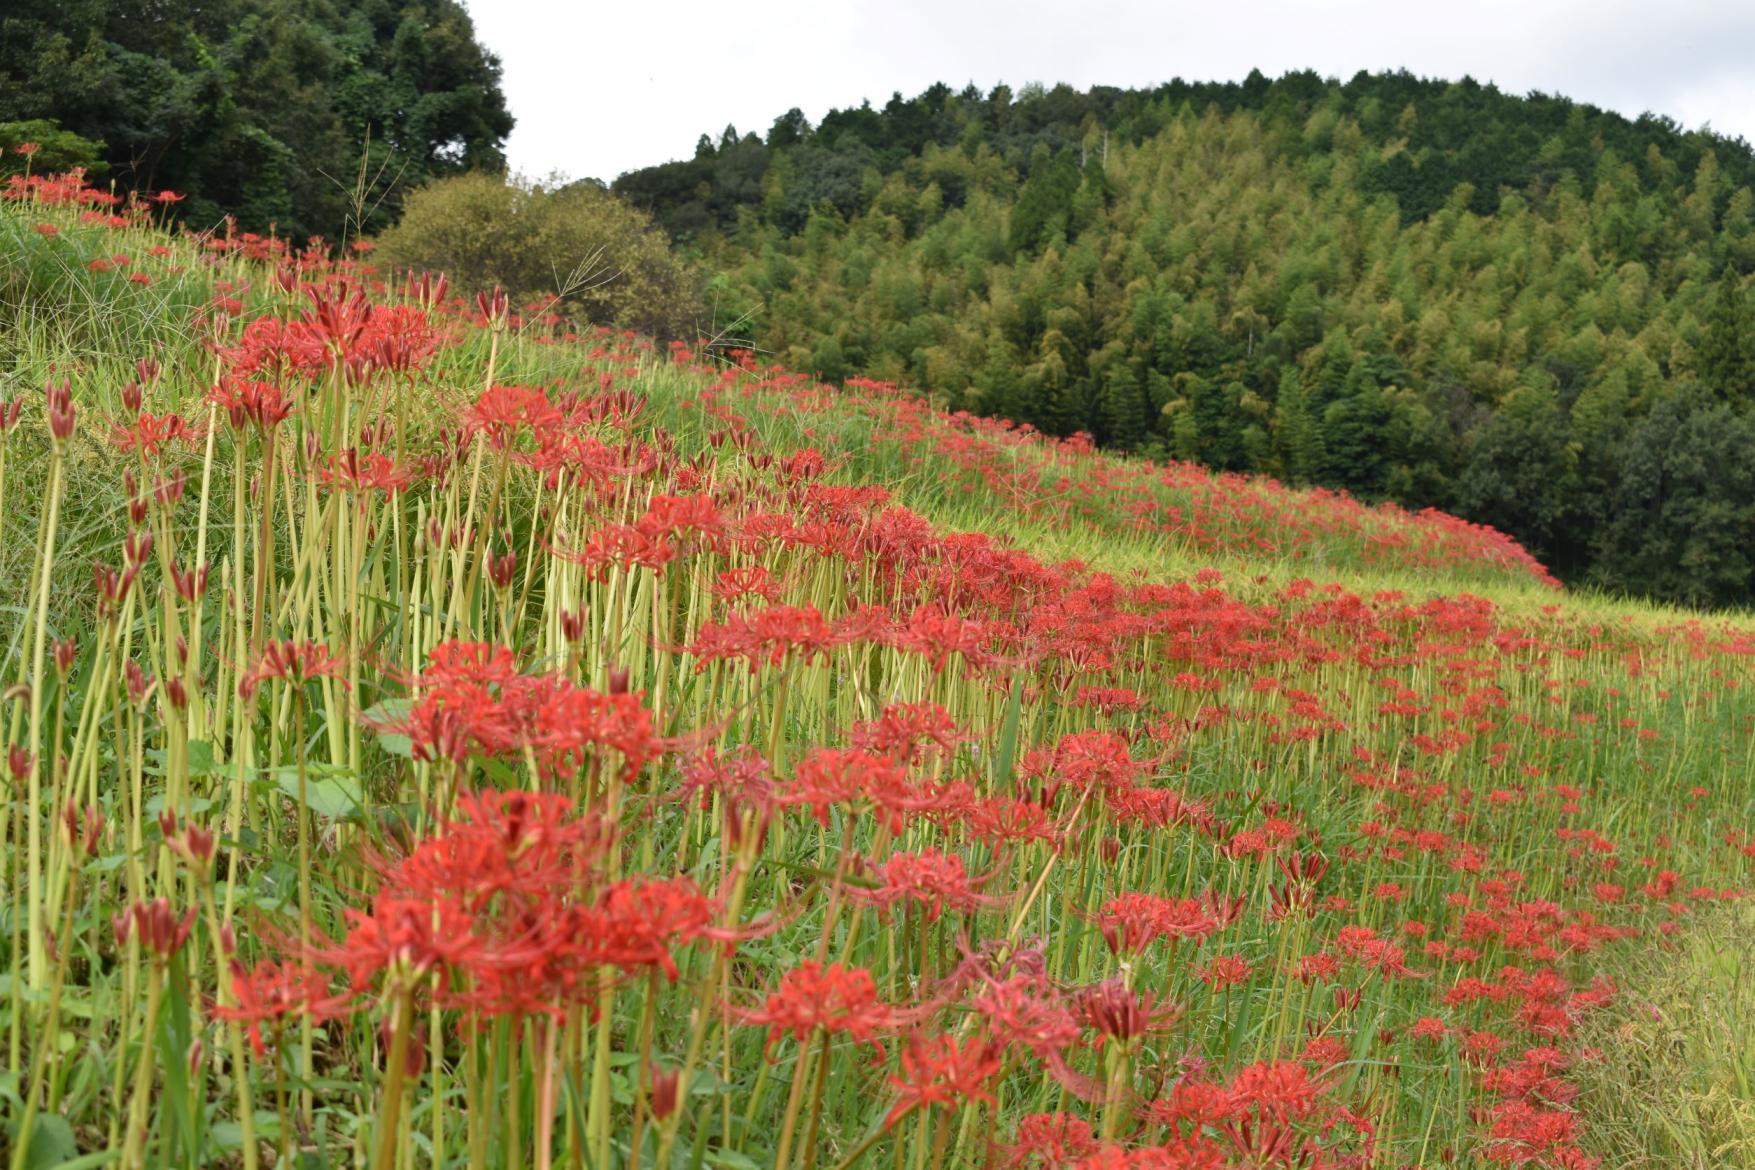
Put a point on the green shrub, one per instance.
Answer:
(604, 259)
(57, 149)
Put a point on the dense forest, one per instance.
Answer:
(1524, 310)
(313, 117)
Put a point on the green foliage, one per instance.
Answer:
(1426, 291)
(307, 115)
(579, 245)
(56, 150)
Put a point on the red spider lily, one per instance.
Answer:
(1131, 921)
(502, 411)
(352, 472)
(58, 401)
(1226, 971)
(412, 936)
(248, 402)
(338, 316)
(907, 730)
(1049, 1139)
(828, 777)
(156, 926)
(277, 349)
(474, 700)
(937, 635)
(526, 846)
(749, 581)
(932, 878)
(620, 546)
(765, 636)
(943, 1070)
(295, 662)
(1194, 1104)
(397, 338)
(1279, 1089)
(275, 992)
(834, 998)
(151, 432)
(1086, 759)
(1119, 1013)
(1024, 1010)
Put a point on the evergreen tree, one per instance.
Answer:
(1726, 360)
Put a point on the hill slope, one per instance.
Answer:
(541, 750)
(1524, 311)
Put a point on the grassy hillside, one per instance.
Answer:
(480, 745)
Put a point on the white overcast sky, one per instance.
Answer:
(599, 88)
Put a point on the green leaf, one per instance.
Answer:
(329, 792)
(731, 1160)
(51, 1143)
(1006, 757)
(396, 745)
(200, 758)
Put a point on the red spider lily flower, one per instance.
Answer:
(765, 636)
(932, 878)
(907, 730)
(619, 546)
(352, 472)
(1025, 1010)
(1131, 921)
(937, 634)
(1083, 760)
(276, 348)
(150, 432)
(157, 927)
(275, 992)
(338, 316)
(1050, 1140)
(296, 662)
(397, 338)
(528, 847)
(1193, 1104)
(834, 998)
(684, 516)
(1226, 971)
(410, 935)
(638, 921)
(1119, 1013)
(167, 198)
(248, 402)
(1280, 1089)
(502, 411)
(59, 403)
(847, 776)
(943, 1070)
(474, 700)
(749, 581)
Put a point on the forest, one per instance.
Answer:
(1524, 310)
(304, 117)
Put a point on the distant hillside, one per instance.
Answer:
(1523, 310)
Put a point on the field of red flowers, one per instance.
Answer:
(436, 739)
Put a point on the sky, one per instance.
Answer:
(602, 88)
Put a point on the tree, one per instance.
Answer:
(1726, 360)
(594, 254)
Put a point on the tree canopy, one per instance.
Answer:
(312, 116)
